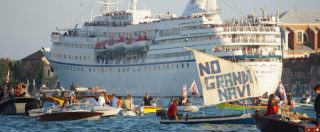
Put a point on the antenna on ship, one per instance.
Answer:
(134, 4)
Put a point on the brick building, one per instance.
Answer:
(300, 32)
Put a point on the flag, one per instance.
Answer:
(184, 94)
(223, 80)
(194, 89)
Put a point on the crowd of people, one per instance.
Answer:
(7, 91)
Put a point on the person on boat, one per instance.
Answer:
(146, 101)
(120, 102)
(171, 102)
(101, 100)
(172, 112)
(317, 102)
(158, 103)
(265, 95)
(289, 103)
(114, 101)
(105, 95)
(127, 103)
(272, 108)
(64, 106)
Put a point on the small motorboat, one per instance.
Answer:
(270, 124)
(19, 105)
(305, 100)
(107, 110)
(149, 109)
(69, 116)
(226, 119)
(128, 113)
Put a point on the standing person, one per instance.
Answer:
(272, 109)
(101, 100)
(171, 102)
(172, 112)
(114, 101)
(127, 103)
(317, 102)
(120, 102)
(146, 101)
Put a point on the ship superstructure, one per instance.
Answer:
(134, 51)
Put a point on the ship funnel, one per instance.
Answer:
(200, 6)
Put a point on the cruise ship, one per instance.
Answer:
(134, 51)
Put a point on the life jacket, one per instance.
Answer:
(272, 109)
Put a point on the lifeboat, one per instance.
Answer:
(138, 44)
(114, 46)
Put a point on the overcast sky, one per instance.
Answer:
(25, 25)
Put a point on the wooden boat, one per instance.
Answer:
(69, 116)
(240, 107)
(19, 105)
(229, 119)
(269, 124)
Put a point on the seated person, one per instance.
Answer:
(101, 100)
(272, 109)
(172, 112)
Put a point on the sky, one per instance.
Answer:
(26, 25)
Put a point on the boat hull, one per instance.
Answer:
(69, 116)
(19, 105)
(164, 79)
(269, 124)
(232, 119)
(107, 110)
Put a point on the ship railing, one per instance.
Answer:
(248, 52)
(249, 29)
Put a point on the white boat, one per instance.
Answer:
(305, 100)
(128, 113)
(254, 41)
(106, 110)
(36, 112)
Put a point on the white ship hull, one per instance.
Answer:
(161, 82)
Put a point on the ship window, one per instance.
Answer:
(81, 68)
(123, 70)
(80, 57)
(119, 70)
(65, 56)
(76, 57)
(158, 67)
(69, 56)
(84, 58)
(102, 70)
(177, 66)
(168, 67)
(78, 68)
(110, 69)
(139, 69)
(128, 69)
(182, 65)
(154, 67)
(89, 69)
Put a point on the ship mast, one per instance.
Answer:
(107, 4)
(134, 4)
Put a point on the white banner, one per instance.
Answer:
(224, 81)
